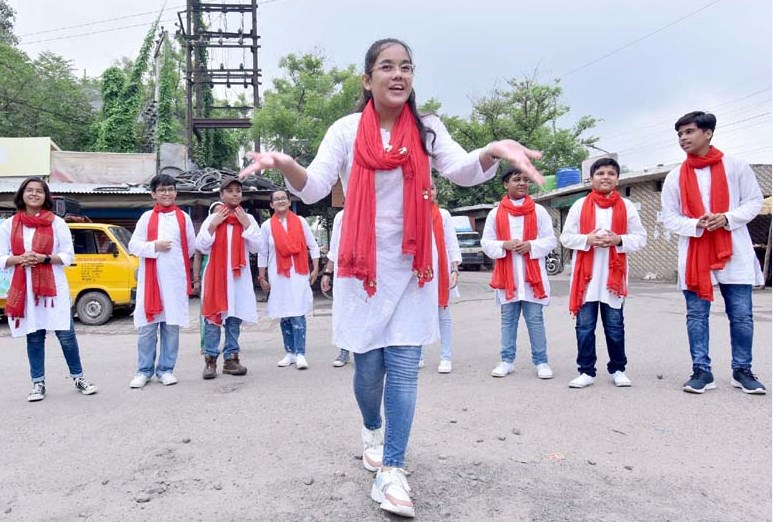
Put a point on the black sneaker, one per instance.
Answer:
(699, 382)
(744, 378)
(38, 392)
(84, 386)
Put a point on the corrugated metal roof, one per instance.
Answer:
(78, 188)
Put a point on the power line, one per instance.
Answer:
(64, 117)
(144, 24)
(637, 40)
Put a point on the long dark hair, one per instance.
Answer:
(18, 198)
(370, 60)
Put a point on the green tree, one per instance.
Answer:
(7, 17)
(528, 112)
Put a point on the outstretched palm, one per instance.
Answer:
(519, 157)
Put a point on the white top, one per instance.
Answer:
(241, 291)
(335, 238)
(172, 281)
(400, 313)
(43, 316)
(289, 296)
(743, 268)
(634, 240)
(540, 247)
(453, 252)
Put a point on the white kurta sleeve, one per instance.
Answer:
(492, 246)
(251, 237)
(265, 234)
(324, 170)
(66, 251)
(5, 243)
(449, 234)
(451, 160)
(335, 237)
(671, 209)
(636, 236)
(311, 241)
(190, 235)
(546, 238)
(205, 240)
(570, 236)
(139, 244)
(750, 200)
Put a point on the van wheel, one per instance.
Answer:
(94, 308)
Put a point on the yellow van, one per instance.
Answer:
(103, 274)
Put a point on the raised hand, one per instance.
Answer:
(262, 161)
(518, 156)
(242, 216)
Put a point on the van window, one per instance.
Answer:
(467, 240)
(83, 241)
(123, 235)
(103, 242)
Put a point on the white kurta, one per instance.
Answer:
(745, 203)
(172, 280)
(241, 291)
(635, 239)
(453, 252)
(42, 317)
(289, 296)
(540, 247)
(400, 313)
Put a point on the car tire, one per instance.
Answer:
(94, 308)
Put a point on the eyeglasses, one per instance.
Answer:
(34, 191)
(166, 190)
(280, 199)
(388, 68)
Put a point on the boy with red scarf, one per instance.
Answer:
(519, 235)
(601, 228)
(287, 242)
(38, 245)
(707, 202)
(228, 236)
(164, 240)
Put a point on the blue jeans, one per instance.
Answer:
(614, 332)
(400, 365)
(738, 307)
(535, 324)
(294, 334)
(232, 326)
(444, 321)
(146, 348)
(36, 353)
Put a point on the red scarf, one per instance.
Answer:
(357, 253)
(153, 303)
(502, 278)
(290, 245)
(215, 300)
(443, 284)
(617, 282)
(714, 248)
(43, 282)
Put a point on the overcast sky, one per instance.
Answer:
(716, 58)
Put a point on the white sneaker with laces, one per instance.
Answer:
(287, 360)
(300, 362)
(445, 366)
(390, 489)
(372, 448)
(621, 380)
(167, 379)
(84, 386)
(544, 371)
(503, 369)
(139, 381)
(582, 381)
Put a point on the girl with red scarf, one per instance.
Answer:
(601, 228)
(164, 241)
(228, 236)
(283, 266)
(518, 234)
(37, 245)
(385, 306)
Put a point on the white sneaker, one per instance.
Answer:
(582, 381)
(444, 366)
(390, 489)
(544, 371)
(167, 379)
(502, 369)
(287, 360)
(139, 381)
(300, 362)
(421, 363)
(621, 380)
(372, 448)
